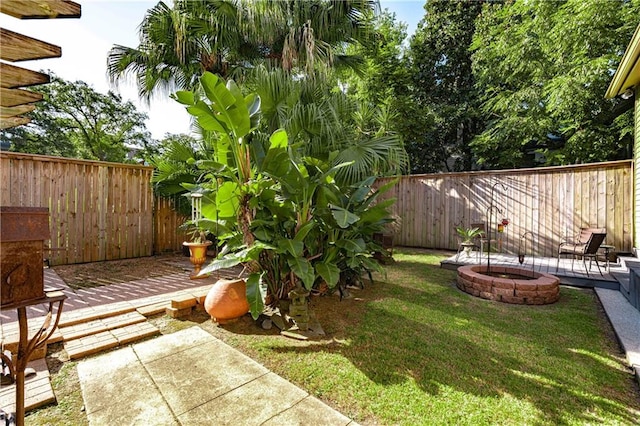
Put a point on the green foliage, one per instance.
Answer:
(444, 87)
(73, 120)
(543, 69)
(384, 92)
(468, 234)
(180, 42)
(326, 124)
(280, 211)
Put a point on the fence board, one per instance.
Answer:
(550, 202)
(84, 215)
(101, 211)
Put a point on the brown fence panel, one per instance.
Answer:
(98, 211)
(550, 202)
(166, 222)
(102, 211)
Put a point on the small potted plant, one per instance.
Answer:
(198, 247)
(467, 235)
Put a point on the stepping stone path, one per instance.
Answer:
(90, 330)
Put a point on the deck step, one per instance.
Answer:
(96, 326)
(154, 309)
(37, 389)
(89, 345)
(91, 314)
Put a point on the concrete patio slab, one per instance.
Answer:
(171, 343)
(231, 406)
(309, 411)
(117, 390)
(199, 374)
(192, 378)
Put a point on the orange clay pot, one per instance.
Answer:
(227, 300)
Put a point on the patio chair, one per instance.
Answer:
(586, 246)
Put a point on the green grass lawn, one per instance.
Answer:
(416, 350)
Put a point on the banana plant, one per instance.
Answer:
(275, 209)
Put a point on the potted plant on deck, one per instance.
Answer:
(467, 235)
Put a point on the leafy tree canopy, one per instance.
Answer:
(444, 86)
(74, 120)
(543, 68)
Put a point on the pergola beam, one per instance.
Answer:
(18, 47)
(40, 9)
(12, 77)
(6, 123)
(7, 112)
(15, 102)
(14, 97)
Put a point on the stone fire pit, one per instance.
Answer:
(509, 284)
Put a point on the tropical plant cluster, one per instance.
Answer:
(284, 214)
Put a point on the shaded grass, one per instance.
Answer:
(415, 350)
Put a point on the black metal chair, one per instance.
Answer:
(587, 246)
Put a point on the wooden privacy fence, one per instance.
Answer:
(104, 211)
(168, 237)
(98, 211)
(551, 202)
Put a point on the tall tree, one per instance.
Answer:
(543, 68)
(179, 43)
(384, 74)
(443, 86)
(74, 120)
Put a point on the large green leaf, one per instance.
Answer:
(238, 113)
(343, 217)
(353, 246)
(371, 264)
(303, 270)
(229, 108)
(253, 252)
(227, 199)
(279, 139)
(255, 295)
(293, 247)
(304, 231)
(376, 212)
(206, 117)
(329, 272)
(217, 264)
(185, 97)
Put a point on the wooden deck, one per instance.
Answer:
(576, 276)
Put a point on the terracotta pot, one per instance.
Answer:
(198, 256)
(227, 300)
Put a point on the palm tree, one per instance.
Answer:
(328, 125)
(225, 37)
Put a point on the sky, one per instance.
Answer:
(85, 43)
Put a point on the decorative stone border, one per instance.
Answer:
(541, 290)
